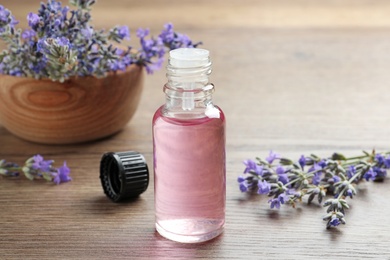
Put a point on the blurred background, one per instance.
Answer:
(312, 47)
(211, 14)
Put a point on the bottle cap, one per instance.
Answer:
(189, 57)
(123, 175)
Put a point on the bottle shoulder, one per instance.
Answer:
(211, 113)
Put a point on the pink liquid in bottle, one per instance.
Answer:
(190, 179)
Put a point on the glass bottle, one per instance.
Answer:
(189, 152)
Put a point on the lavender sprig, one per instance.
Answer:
(36, 168)
(62, 43)
(312, 177)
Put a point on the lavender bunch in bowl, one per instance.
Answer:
(61, 43)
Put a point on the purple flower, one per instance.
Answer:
(351, 171)
(16, 72)
(380, 172)
(334, 222)
(276, 202)
(62, 174)
(253, 166)
(282, 176)
(382, 161)
(142, 33)
(33, 19)
(154, 66)
(151, 55)
(272, 156)
(334, 179)
(167, 35)
(54, 6)
(302, 161)
(315, 168)
(370, 175)
(244, 187)
(41, 164)
(317, 178)
(28, 33)
(181, 41)
(264, 187)
(175, 40)
(57, 22)
(63, 41)
(283, 198)
(4, 15)
(294, 193)
(87, 32)
(65, 10)
(13, 21)
(349, 193)
(322, 163)
(241, 179)
(123, 32)
(387, 162)
(280, 170)
(6, 19)
(379, 158)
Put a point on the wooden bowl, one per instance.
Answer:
(80, 109)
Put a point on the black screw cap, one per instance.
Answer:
(123, 175)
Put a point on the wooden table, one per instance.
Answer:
(295, 77)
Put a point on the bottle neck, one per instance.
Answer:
(188, 91)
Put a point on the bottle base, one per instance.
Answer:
(197, 237)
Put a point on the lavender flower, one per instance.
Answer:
(282, 176)
(62, 174)
(370, 174)
(87, 32)
(272, 156)
(61, 43)
(28, 34)
(246, 183)
(174, 40)
(123, 32)
(317, 178)
(244, 187)
(33, 20)
(287, 182)
(36, 167)
(351, 171)
(302, 161)
(276, 202)
(4, 15)
(387, 162)
(38, 163)
(7, 23)
(334, 222)
(264, 187)
(252, 166)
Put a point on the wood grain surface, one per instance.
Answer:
(302, 84)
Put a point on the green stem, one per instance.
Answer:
(291, 182)
(17, 169)
(365, 156)
(358, 174)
